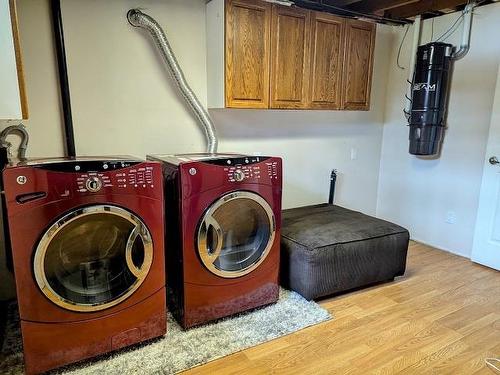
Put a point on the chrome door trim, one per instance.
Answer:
(209, 255)
(139, 272)
(140, 229)
(208, 258)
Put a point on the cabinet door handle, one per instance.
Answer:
(494, 160)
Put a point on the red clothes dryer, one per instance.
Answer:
(223, 237)
(87, 246)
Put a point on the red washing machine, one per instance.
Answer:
(87, 244)
(223, 237)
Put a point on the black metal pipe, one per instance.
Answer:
(69, 134)
(333, 180)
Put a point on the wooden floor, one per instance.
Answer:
(442, 317)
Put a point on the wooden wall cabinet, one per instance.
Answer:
(247, 54)
(358, 64)
(289, 57)
(270, 56)
(327, 56)
(13, 103)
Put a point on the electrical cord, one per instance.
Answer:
(451, 29)
(400, 46)
(406, 113)
(454, 27)
(489, 363)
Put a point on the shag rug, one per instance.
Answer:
(182, 349)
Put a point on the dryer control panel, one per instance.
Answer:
(239, 173)
(250, 168)
(245, 173)
(272, 170)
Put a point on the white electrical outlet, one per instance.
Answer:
(451, 217)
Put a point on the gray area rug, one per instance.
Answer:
(179, 349)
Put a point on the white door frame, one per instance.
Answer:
(486, 246)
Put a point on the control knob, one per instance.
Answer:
(239, 175)
(93, 184)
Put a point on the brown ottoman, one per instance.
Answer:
(326, 249)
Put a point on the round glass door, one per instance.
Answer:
(236, 234)
(93, 258)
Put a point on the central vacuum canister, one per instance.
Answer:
(429, 98)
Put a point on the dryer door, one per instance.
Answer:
(93, 258)
(236, 234)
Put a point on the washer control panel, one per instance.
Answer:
(135, 177)
(93, 184)
(239, 175)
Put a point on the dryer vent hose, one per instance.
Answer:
(139, 19)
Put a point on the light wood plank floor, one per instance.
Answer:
(442, 317)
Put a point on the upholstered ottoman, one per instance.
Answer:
(326, 249)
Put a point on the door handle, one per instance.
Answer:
(212, 252)
(494, 160)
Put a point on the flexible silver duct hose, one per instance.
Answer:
(139, 19)
(21, 130)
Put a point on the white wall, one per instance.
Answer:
(43, 100)
(10, 103)
(311, 144)
(40, 70)
(125, 103)
(419, 193)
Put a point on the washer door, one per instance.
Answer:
(236, 234)
(93, 258)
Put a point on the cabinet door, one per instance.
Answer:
(289, 57)
(248, 26)
(12, 93)
(358, 64)
(327, 56)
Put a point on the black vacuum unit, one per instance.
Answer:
(429, 98)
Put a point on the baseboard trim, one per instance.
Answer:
(439, 248)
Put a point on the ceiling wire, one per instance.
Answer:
(454, 27)
(451, 29)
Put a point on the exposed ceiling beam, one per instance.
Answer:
(327, 6)
(340, 3)
(371, 6)
(423, 6)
